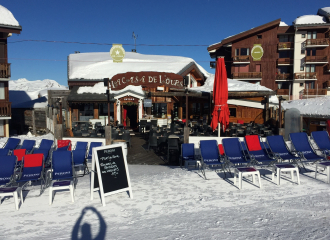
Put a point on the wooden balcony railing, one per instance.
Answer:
(242, 75)
(5, 109)
(315, 42)
(315, 92)
(322, 59)
(4, 70)
(284, 76)
(242, 59)
(285, 45)
(305, 75)
(282, 92)
(284, 61)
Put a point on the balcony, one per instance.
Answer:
(282, 92)
(4, 70)
(316, 59)
(320, 42)
(305, 76)
(314, 92)
(285, 45)
(241, 59)
(5, 109)
(284, 61)
(247, 75)
(284, 76)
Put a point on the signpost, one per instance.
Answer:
(109, 171)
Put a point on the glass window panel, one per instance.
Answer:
(244, 51)
(159, 110)
(314, 34)
(309, 35)
(2, 90)
(2, 132)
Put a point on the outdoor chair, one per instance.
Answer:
(79, 160)
(279, 147)
(234, 152)
(153, 123)
(142, 126)
(4, 152)
(61, 175)
(45, 153)
(12, 143)
(302, 144)
(152, 142)
(19, 153)
(127, 137)
(28, 145)
(321, 139)
(172, 145)
(258, 152)
(210, 156)
(187, 154)
(81, 146)
(91, 146)
(63, 145)
(162, 143)
(32, 169)
(46, 144)
(8, 165)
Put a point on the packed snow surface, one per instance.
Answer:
(283, 24)
(99, 65)
(310, 19)
(28, 94)
(233, 86)
(313, 106)
(99, 88)
(176, 203)
(7, 18)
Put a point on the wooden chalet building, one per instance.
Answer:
(291, 60)
(8, 26)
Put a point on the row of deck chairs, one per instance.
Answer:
(19, 170)
(252, 151)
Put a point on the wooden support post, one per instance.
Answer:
(58, 131)
(108, 139)
(34, 130)
(186, 131)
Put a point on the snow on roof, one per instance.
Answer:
(310, 19)
(313, 106)
(7, 18)
(233, 86)
(283, 24)
(99, 65)
(99, 88)
(31, 94)
(324, 11)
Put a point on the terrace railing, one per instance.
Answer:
(305, 75)
(322, 59)
(317, 42)
(4, 70)
(282, 92)
(284, 76)
(285, 45)
(285, 61)
(242, 75)
(5, 109)
(242, 59)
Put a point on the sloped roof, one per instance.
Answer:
(244, 34)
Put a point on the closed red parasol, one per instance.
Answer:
(220, 96)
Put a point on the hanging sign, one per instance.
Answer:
(257, 52)
(109, 171)
(117, 53)
(147, 102)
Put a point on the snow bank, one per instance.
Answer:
(7, 18)
(99, 88)
(283, 24)
(310, 19)
(233, 86)
(99, 65)
(313, 106)
(31, 94)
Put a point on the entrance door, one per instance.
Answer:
(131, 116)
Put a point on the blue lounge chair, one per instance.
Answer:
(257, 153)
(32, 169)
(280, 149)
(234, 152)
(302, 144)
(45, 153)
(4, 152)
(7, 167)
(187, 153)
(93, 145)
(28, 145)
(210, 156)
(321, 138)
(12, 143)
(81, 146)
(79, 159)
(62, 173)
(46, 144)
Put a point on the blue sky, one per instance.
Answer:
(171, 22)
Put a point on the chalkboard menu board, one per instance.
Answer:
(109, 172)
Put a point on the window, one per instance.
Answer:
(2, 90)
(245, 51)
(103, 109)
(2, 132)
(259, 36)
(237, 52)
(301, 84)
(303, 35)
(159, 110)
(303, 51)
(232, 112)
(301, 68)
(310, 67)
(311, 35)
(311, 52)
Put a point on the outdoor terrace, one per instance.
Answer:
(241, 59)
(5, 109)
(4, 70)
(247, 75)
(284, 76)
(305, 75)
(284, 61)
(314, 92)
(282, 92)
(285, 45)
(316, 59)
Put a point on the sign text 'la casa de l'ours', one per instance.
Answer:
(150, 79)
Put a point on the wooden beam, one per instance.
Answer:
(206, 94)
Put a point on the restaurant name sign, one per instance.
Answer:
(148, 79)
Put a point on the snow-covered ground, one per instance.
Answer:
(174, 203)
